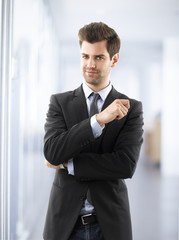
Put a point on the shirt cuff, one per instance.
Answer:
(96, 128)
(70, 167)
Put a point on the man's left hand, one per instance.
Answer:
(55, 167)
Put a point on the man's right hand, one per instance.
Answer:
(116, 110)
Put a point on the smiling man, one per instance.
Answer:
(93, 137)
(96, 63)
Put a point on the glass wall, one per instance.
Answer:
(29, 70)
(5, 54)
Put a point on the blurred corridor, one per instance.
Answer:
(40, 56)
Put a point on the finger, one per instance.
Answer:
(125, 102)
(120, 115)
(57, 167)
(124, 112)
(47, 163)
(52, 166)
(123, 108)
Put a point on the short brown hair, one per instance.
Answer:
(98, 31)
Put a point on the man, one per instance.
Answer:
(93, 141)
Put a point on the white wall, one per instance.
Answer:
(170, 107)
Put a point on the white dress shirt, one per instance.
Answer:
(96, 129)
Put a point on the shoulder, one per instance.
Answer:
(65, 96)
(134, 103)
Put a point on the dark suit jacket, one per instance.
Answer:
(100, 164)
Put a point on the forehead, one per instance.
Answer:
(97, 48)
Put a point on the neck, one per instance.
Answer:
(97, 88)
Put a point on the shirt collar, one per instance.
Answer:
(103, 93)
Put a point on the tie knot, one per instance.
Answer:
(95, 96)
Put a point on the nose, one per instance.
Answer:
(91, 63)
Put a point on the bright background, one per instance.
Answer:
(40, 56)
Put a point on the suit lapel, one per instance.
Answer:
(111, 97)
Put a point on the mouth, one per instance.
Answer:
(91, 72)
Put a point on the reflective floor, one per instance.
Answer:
(153, 201)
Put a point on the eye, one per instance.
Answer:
(85, 56)
(99, 58)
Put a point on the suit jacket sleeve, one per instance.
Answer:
(61, 142)
(121, 161)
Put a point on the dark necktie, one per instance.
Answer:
(93, 111)
(94, 106)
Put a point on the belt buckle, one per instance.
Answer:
(83, 218)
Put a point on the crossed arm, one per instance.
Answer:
(116, 110)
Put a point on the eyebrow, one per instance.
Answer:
(98, 55)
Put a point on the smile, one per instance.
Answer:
(91, 72)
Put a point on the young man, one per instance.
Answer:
(93, 141)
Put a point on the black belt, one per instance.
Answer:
(87, 219)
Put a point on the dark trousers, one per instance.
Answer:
(90, 231)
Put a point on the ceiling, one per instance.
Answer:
(134, 20)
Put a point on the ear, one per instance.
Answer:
(115, 60)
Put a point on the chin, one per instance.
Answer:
(92, 82)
